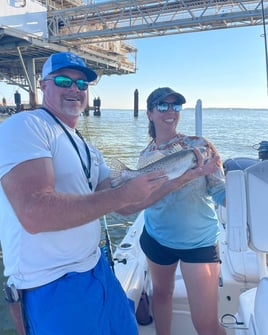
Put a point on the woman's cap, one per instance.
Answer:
(160, 94)
(67, 60)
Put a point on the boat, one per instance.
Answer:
(243, 281)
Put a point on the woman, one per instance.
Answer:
(182, 226)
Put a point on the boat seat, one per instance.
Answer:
(242, 261)
(259, 322)
(236, 211)
(253, 309)
(246, 198)
(247, 216)
(238, 163)
(246, 307)
(257, 191)
(243, 266)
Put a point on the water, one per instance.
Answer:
(118, 134)
(233, 131)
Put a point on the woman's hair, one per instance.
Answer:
(151, 129)
(151, 126)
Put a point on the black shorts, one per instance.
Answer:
(162, 255)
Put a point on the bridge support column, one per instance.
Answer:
(33, 97)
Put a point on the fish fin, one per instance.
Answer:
(151, 158)
(175, 148)
(116, 172)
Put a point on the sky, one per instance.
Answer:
(224, 68)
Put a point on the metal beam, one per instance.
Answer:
(124, 20)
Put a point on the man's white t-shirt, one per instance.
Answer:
(32, 260)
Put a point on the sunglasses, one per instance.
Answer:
(65, 82)
(163, 107)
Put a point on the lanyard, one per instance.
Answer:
(86, 170)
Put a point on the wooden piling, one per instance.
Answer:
(96, 105)
(136, 103)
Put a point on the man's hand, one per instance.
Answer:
(139, 189)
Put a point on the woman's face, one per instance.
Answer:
(165, 122)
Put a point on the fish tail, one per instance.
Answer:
(116, 174)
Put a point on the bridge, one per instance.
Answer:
(124, 19)
(101, 31)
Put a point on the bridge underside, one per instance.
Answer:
(21, 55)
(100, 32)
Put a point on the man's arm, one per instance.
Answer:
(30, 189)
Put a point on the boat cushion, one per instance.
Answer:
(243, 263)
(236, 211)
(253, 308)
(257, 190)
(259, 318)
(246, 306)
(243, 266)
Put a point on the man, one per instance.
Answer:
(51, 199)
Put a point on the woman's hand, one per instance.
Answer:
(205, 167)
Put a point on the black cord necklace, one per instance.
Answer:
(85, 168)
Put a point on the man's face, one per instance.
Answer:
(64, 101)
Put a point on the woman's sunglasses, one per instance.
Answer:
(65, 82)
(163, 107)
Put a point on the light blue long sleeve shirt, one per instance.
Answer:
(186, 218)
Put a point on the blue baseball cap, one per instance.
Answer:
(67, 60)
(160, 94)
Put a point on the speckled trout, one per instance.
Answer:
(173, 166)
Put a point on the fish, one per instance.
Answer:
(173, 166)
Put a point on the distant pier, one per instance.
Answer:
(11, 109)
(95, 107)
